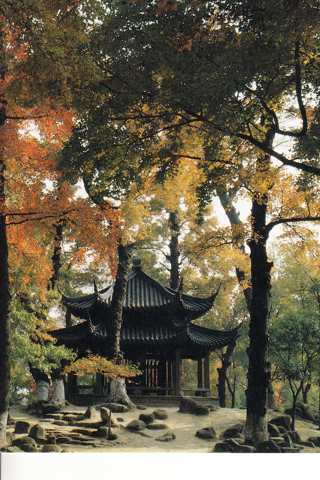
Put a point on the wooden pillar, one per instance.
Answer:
(207, 373)
(200, 374)
(177, 373)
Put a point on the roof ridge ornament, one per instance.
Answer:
(137, 263)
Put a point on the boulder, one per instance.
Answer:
(295, 437)
(103, 432)
(315, 441)
(222, 447)
(283, 421)
(160, 414)
(147, 418)
(51, 448)
(245, 449)
(26, 444)
(273, 430)
(51, 440)
(268, 446)
(37, 432)
(167, 437)
(141, 407)
(207, 433)
(302, 411)
(136, 425)
(105, 414)
(188, 405)
(117, 408)
(91, 412)
(231, 432)
(22, 427)
(202, 410)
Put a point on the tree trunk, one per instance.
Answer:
(222, 373)
(43, 384)
(56, 257)
(259, 371)
(4, 274)
(118, 392)
(119, 293)
(58, 394)
(305, 391)
(174, 250)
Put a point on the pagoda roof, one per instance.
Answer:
(147, 333)
(153, 315)
(143, 293)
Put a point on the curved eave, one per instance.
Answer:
(211, 338)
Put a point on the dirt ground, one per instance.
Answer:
(183, 426)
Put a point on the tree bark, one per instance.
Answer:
(4, 275)
(174, 250)
(56, 257)
(259, 371)
(119, 293)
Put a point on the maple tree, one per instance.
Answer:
(39, 42)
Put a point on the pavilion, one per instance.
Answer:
(158, 331)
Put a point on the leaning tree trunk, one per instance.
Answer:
(118, 393)
(43, 384)
(222, 373)
(4, 288)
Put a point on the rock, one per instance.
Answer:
(10, 421)
(268, 446)
(283, 421)
(307, 444)
(222, 447)
(22, 427)
(188, 405)
(51, 440)
(293, 449)
(157, 426)
(26, 444)
(105, 414)
(278, 440)
(303, 411)
(37, 432)
(103, 432)
(136, 425)
(245, 449)
(63, 439)
(287, 440)
(295, 437)
(207, 433)
(51, 448)
(9, 438)
(167, 437)
(61, 423)
(201, 410)
(120, 420)
(273, 430)
(147, 418)
(233, 431)
(315, 441)
(141, 407)
(91, 412)
(118, 408)
(46, 408)
(160, 414)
